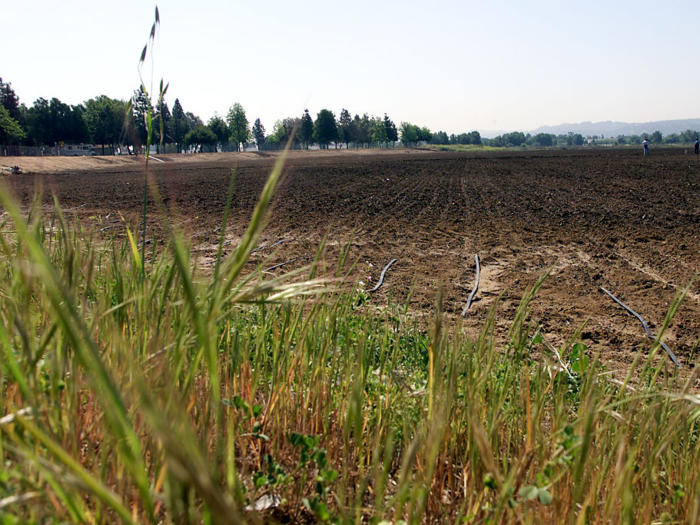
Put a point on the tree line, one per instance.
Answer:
(111, 123)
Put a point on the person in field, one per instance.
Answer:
(645, 143)
(697, 146)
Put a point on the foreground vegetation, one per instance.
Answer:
(137, 389)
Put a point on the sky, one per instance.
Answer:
(453, 65)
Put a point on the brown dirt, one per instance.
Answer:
(56, 165)
(597, 218)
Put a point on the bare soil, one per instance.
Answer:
(608, 218)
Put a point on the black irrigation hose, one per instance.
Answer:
(646, 327)
(262, 247)
(476, 287)
(282, 264)
(381, 277)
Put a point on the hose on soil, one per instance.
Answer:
(381, 277)
(646, 327)
(476, 287)
(284, 263)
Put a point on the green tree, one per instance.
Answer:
(362, 129)
(346, 128)
(106, 120)
(306, 129)
(10, 130)
(50, 122)
(179, 125)
(165, 120)
(689, 136)
(10, 101)
(544, 139)
(218, 127)
(199, 137)
(440, 138)
(656, 137)
(258, 133)
(141, 107)
(378, 131)
(424, 134)
(325, 128)
(193, 121)
(238, 125)
(409, 133)
(391, 131)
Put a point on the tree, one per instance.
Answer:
(49, 122)
(689, 136)
(10, 130)
(258, 133)
(193, 121)
(440, 138)
(346, 128)
(199, 137)
(325, 128)
(306, 129)
(165, 132)
(106, 119)
(656, 137)
(218, 127)
(475, 138)
(544, 139)
(516, 138)
(391, 131)
(141, 107)
(362, 129)
(238, 125)
(179, 125)
(409, 133)
(10, 101)
(378, 131)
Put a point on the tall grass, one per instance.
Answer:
(154, 393)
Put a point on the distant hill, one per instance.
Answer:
(613, 129)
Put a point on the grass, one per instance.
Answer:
(148, 392)
(136, 389)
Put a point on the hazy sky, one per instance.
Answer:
(450, 65)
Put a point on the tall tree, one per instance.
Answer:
(106, 119)
(378, 131)
(51, 122)
(238, 125)
(179, 125)
(193, 121)
(392, 133)
(258, 133)
(346, 129)
(141, 107)
(219, 128)
(10, 130)
(306, 129)
(165, 118)
(362, 127)
(10, 101)
(199, 137)
(325, 128)
(410, 133)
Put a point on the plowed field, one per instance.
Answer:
(598, 218)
